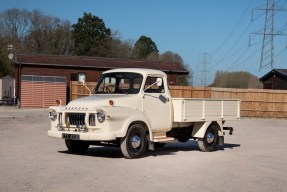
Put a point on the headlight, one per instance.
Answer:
(53, 115)
(101, 117)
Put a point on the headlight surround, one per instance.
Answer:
(53, 115)
(92, 119)
(101, 117)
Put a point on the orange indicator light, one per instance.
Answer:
(111, 102)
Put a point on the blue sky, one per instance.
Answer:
(220, 28)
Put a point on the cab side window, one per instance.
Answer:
(154, 85)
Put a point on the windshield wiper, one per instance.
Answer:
(114, 86)
(123, 91)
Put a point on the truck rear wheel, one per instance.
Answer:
(75, 146)
(134, 144)
(210, 141)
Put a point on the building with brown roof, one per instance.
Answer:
(41, 79)
(275, 79)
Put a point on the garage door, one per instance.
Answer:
(42, 91)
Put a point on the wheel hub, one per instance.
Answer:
(136, 141)
(210, 137)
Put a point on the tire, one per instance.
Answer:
(210, 141)
(77, 147)
(134, 144)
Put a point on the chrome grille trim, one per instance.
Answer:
(77, 119)
(92, 119)
(60, 118)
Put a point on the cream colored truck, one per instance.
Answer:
(133, 109)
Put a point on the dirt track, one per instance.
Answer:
(253, 159)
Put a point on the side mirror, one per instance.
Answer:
(81, 78)
(159, 82)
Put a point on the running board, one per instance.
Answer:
(162, 139)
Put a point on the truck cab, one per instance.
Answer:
(129, 108)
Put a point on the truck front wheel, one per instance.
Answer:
(210, 141)
(76, 146)
(134, 144)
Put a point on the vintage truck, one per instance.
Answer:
(133, 109)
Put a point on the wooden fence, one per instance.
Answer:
(254, 102)
(77, 89)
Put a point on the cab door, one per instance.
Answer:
(157, 103)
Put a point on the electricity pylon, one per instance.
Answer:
(267, 50)
(204, 62)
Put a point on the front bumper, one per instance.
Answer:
(87, 136)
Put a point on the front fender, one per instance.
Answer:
(122, 117)
(58, 109)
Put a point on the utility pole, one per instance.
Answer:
(204, 62)
(267, 50)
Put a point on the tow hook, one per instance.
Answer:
(230, 129)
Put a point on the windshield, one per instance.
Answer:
(119, 83)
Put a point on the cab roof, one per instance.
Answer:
(142, 71)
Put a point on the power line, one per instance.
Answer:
(234, 64)
(237, 41)
(234, 45)
(252, 55)
(282, 51)
(237, 24)
(229, 53)
(240, 49)
(245, 50)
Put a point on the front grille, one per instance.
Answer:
(77, 119)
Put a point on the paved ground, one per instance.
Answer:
(253, 159)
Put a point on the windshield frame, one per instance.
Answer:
(119, 83)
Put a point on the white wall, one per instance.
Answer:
(7, 86)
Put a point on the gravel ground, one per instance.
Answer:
(253, 159)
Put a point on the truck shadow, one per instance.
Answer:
(229, 146)
(169, 149)
(99, 151)
(173, 148)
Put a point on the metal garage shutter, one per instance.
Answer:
(42, 91)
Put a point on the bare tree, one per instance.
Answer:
(120, 48)
(62, 38)
(6, 66)
(15, 24)
(183, 80)
(34, 32)
(240, 79)
(172, 57)
(48, 35)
